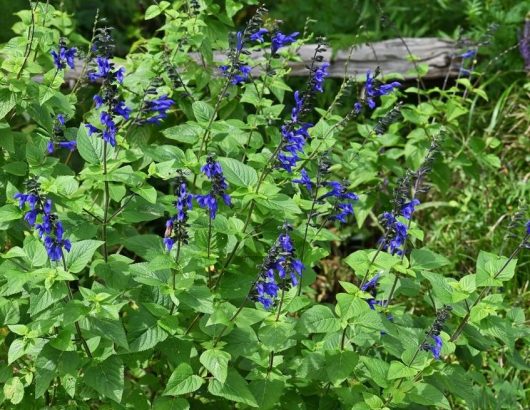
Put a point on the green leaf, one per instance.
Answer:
(319, 319)
(17, 349)
(183, 381)
(81, 254)
(91, 148)
(398, 370)
(47, 297)
(170, 403)
(109, 329)
(202, 111)
(107, 378)
(7, 102)
(187, 133)
(10, 213)
(152, 12)
(46, 366)
(235, 389)
(428, 395)
(148, 339)
(424, 258)
(147, 192)
(340, 365)
(216, 362)
(14, 390)
(199, 298)
(238, 173)
(267, 392)
(493, 269)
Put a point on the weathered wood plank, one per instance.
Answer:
(391, 56)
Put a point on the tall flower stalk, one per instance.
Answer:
(337, 196)
(111, 107)
(50, 230)
(177, 226)
(214, 173)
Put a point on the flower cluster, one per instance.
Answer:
(280, 40)
(64, 56)
(177, 226)
(158, 109)
(396, 233)
(49, 228)
(434, 332)
(237, 76)
(236, 72)
(109, 97)
(214, 172)
(58, 136)
(279, 265)
(343, 201)
(295, 131)
(374, 89)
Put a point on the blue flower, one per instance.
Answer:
(319, 76)
(373, 90)
(122, 109)
(396, 233)
(237, 76)
(98, 100)
(298, 106)
(258, 35)
(239, 41)
(304, 180)
(528, 228)
(280, 265)
(64, 57)
(437, 348)
(280, 40)
(92, 129)
(109, 133)
(105, 70)
(469, 54)
(408, 209)
(61, 119)
(342, 207)
(50, 229)
(177, 226)
(214, 172)
(294, 139)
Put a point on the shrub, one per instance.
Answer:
(180, 232)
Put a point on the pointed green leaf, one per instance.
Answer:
(107, 378)
(216, 362)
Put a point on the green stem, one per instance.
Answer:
(31, 37)
(76, 324)
(174, 281)
(106, 200)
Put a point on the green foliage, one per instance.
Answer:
(118, 321)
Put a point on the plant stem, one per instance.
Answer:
(106, 200)
(87, 60)
(309, 217)
(31, 36)
(208, 246)
(76, 323)
(237, 312)
(174, 282)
